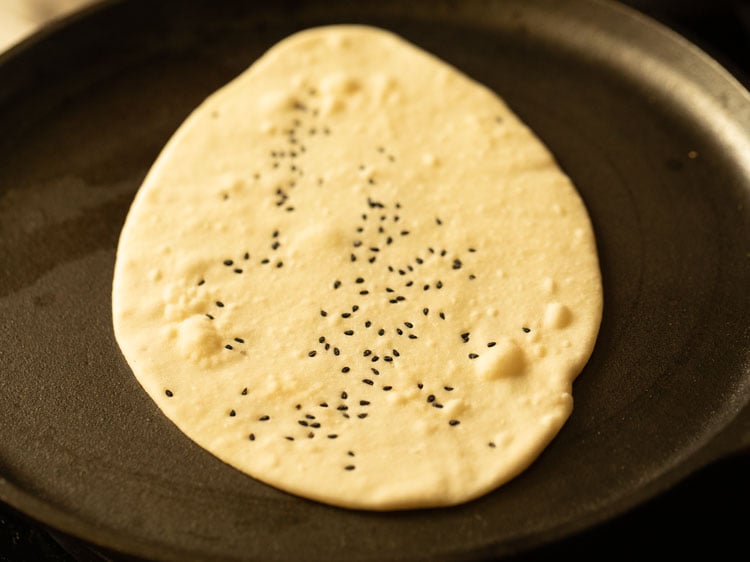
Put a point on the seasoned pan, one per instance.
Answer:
(655, 135)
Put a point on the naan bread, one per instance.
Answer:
(355, 275)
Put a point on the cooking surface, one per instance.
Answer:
(687, 522)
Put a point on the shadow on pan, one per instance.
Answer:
(654, 134)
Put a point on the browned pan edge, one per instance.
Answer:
(663, 78)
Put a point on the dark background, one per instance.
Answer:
(706, 515)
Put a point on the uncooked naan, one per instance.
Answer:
(355, 275)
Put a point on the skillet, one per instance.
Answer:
(655, 135)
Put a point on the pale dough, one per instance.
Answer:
(356, 276)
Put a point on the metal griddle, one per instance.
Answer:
(654, 133)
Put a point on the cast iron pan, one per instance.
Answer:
(654, 133)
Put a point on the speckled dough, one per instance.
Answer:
(354, 275)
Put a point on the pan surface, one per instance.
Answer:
(655, 135)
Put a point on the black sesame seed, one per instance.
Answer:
(442, 315)
(388, 358)
(345, 369)
(239, 340)
(220, 304)
(374, 371)
(425, 311)
(303, 423)
(368, 381)
(201, 282)
(491, 344)
(349, 467)
(316, 425)
(365, 292)
(332, 436)
(472, 277)
(491, 444)
(456, 264)
(431, 398)
(251, 437)
(408, 324)
(426, 287)
(438, 221)
(399, 331)
(368, 323)
(387, 388)
(323, 313)
(344, 395)
(439, 285)
(343, 407)
(244, 391)
(359, 280)
(280, 264)
(298, 407)
(349, 333)
(169, 393)
(364, 403)
(362, 416)
(367, 352)
(289, 438)
(355, 308)
(336, 284)
(413, 336)
(381, 332)
(357, 243)
(345, 314)
(473, 355)
(353, 258)
(465, 336)
(209, 316)
(312, 353)
(389, 290)
(238, 270)
(264, 418)
(228, 347)
(454, 422)
(321, 339)
(323, 404)
(396, 353)
(336, 351)
(437, 405)
(420, 386)
(526, 330)
(228, 262)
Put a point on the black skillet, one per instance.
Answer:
(654, 133)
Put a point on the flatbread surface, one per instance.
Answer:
(355, 275)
